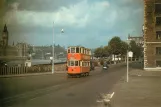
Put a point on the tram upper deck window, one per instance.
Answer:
(72, 50)
(77, 49)
(68, 50)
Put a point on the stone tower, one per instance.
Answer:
(5, 37)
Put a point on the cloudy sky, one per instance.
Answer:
(90, 23)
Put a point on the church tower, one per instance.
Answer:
(5, 37)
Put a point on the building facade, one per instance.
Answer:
(138, 40)
(152, 35)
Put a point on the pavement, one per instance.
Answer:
(142, 90)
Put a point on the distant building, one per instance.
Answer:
(138, 40)
(11, 52)
(152, 35)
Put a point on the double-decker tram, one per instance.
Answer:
(78, 61)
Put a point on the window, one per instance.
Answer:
(158, 35)
(158, 21)
(158, 50)
(158, 63)
(81, 50)
(69, 50)
(77, 50)
(72, 50)
(88, 52)
(83, 64)
(157, 9)
(71, 63)
(76, 63)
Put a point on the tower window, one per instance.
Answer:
(158, 21)
(157, 9)
(158, 35)
(158, 63)
(158, 50)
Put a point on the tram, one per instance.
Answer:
(78, 61)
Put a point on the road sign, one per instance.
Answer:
(130, 54)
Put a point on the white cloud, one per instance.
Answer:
(77, 15)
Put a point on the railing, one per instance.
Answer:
(13, 70)
(8, 70)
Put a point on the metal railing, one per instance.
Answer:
(13, 70)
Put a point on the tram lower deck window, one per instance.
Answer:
(71, 63)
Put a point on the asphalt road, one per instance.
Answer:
(57, 90)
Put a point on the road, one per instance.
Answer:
(57, 90)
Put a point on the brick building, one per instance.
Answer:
(152, 35)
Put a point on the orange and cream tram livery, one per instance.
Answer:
(78, 61)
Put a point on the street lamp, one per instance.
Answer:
(127, 76)
(53, 51)
(62, 31)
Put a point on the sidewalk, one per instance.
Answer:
(142, 90)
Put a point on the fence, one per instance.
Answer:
(34, 69)
(13, 70)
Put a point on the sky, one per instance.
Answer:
(90, 23)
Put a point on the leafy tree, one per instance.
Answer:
(114, 45)
(106, 51)
(98, 52)
(137, 50)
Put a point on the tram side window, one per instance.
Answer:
(71, 63)
(83, 64)
(88, 52)
(69, 50)
(76, 63)
(81, 50)
(77, 50)
(72, 50)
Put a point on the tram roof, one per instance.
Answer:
(78, 47)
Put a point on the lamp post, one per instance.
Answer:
(62, 31)
(127, 76)
(53, 51)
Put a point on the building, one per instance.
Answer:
(13, 52)
(138, 39)
(152, 35)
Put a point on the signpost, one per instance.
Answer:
(129, 54)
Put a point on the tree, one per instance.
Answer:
(98, 52)
(114, 45)
(106, 51)
(123, 49)
(137, 50)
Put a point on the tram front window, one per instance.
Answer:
(72, 50)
